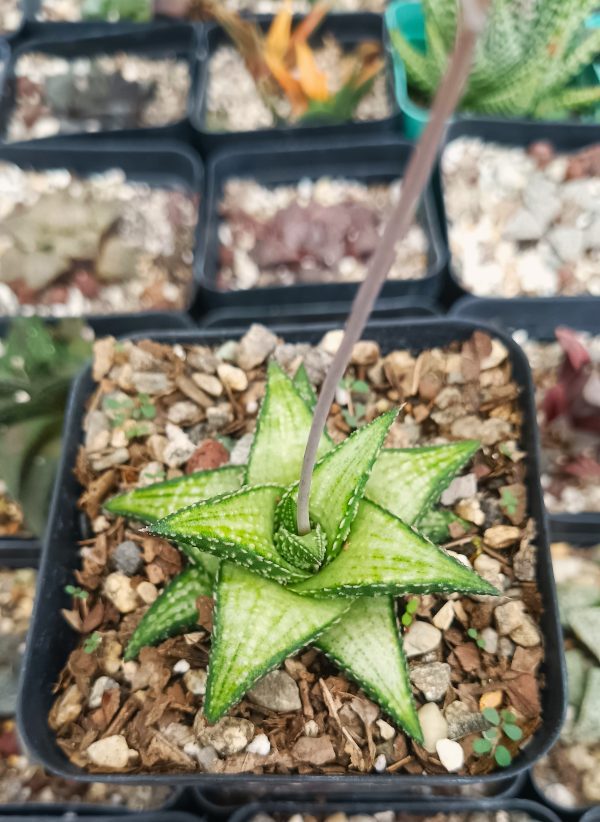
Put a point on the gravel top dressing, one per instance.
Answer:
(570, 431)
(322, 231)
(21, 780)
(235, 104)
(10, 16)
(107, 92)
(570, 774)
(523, 222)
(101, 245)
(162, 411)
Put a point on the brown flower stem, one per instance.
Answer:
(416, 178)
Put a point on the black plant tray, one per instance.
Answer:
(157, 163)
(240, 317)
(178, 40)
(371, 160)
(15, 549)
(52, 639)
(539, 316)
(565, 137)
(285, 810)
(93, 813)
(349, 30)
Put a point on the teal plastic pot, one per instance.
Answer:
(408, 19)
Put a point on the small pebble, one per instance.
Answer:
(380, 763)
(259, 745)
(450, 754)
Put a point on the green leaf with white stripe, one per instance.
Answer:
(153, 502)
(237, 527)
(257, 624)
(435, 524)
(366, 644)
(174, 612)
(306, 552)
(383, 555)
(339, 480)
(304, 387)
(408, 481)
(281, 433)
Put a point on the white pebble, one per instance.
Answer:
(260, 745)
(451, 754)
(380, 763)
(182, 666)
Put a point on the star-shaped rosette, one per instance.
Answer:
(275, 591)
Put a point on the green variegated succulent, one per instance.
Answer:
(526, 62)
(276, 591)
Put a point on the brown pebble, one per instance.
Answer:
(208, 455)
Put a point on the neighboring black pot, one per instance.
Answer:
(241, 317)
(169, 40)
(372, 160)
(593, 815)
(15, 549)
(418, 809)
(565, 137)
(349, 30)
(166, 164)
(52, 639)
(93, 813)
(539, 316)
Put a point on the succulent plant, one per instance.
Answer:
(37, 365)
(276, 591)
(526, 60)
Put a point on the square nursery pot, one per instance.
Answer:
(418, 810)
(240, 318)
(23, 552)
(376, 160)
(165, 164)
(539, 316)
(566, 138)
(158, 41)
(349, 29)
(51, 639)
(408, 18)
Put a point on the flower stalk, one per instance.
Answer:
(417, 175)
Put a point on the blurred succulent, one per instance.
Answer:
(138, 11)
(281, 61)
(526, 62)
(37, 365)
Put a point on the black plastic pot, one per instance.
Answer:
(52, 813)
(164, 164)
(565, 137)
(178, 40)
(391, 309)
(539, 316)
(593, 815)
(13, 550)
(418, 809)
(52, 639)
(372, 160)
(349, 30)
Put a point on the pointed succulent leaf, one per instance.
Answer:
(421, 70)
(304, 387)
(175, 611)
(281, 433)
(435, 524)
(237, 527)
(366, 644)
(305, 552)
(383, 555)
(257, 624)
(339, 480)
(408, 481)
(156, 501)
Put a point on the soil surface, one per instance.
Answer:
(117, 91)
(523, 222)
(570, 774)
(20, 779)
(70, 10)
(316, 231)
(100, 245)
(466, 654)
(390, 816)
(234, 103)
(570, 454)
